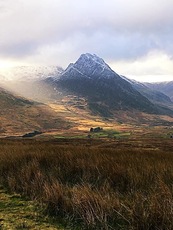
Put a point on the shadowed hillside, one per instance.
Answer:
(165, 87)
(18, 115)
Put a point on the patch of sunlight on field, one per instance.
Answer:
(82, 120)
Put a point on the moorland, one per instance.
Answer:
(97, 183)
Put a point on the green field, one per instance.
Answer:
(19, 213)
(101, 134)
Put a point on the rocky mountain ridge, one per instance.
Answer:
(164, 87)
(154, 95)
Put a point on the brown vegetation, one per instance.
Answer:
(120, 185)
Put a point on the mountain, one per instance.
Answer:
(19, 115)
(164, 87)
(105, 90)
(27, 81)
(7, 100)
(153, 95)
(29, 73)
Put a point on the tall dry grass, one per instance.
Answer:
(93, 187)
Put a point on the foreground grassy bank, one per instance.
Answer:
(17, 213)
(94, 185)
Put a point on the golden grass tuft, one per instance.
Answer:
(94, 187)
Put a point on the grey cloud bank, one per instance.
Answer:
(57, 32)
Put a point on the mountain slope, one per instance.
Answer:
(153, 95)
(27, 81)
(18, 115)
(164, 87)
(104, 89)
(7, 100)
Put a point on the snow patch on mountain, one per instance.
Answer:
(29, 73)
(89, 66)
(132, 81)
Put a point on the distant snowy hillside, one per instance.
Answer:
(27, 73)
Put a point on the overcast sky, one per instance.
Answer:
(134, 37)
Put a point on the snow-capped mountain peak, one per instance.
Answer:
(104, 89)
(94, 58)
(91, 59)
(89, 66)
